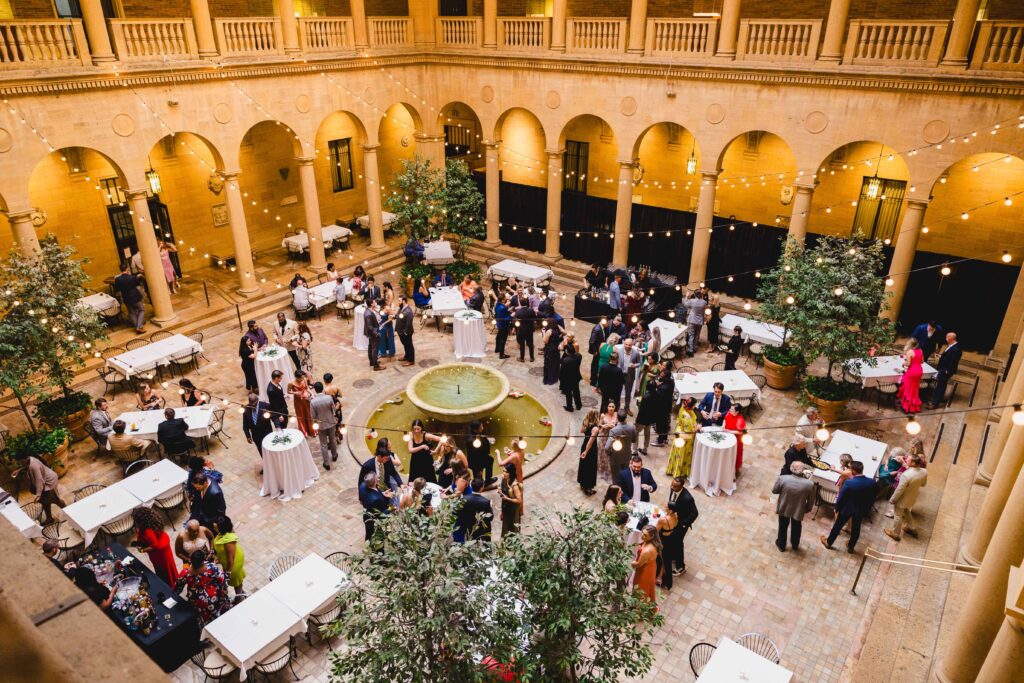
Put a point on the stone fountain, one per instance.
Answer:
(457, 393)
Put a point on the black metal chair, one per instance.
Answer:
(217, 428)
(717, 367)
(66, 537)
(700, 655)
(277, 661)
(86, 491)
(760, 644)
(887, 393)
(823, 496)
(136, 467)
(213, 665)
(34, 510)
(173, 500)
(128, 457)
(755, 350)
(161, 334)
(137, 344)
(282, 564)
(687, 368)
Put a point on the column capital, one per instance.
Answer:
(491, 144)
(553, 153)
(21, 216)
(135, 192)
(305, 161)
(918, 203)
(229, 175)
(631, 164)
(710, 175)
(370, 149)
(805, 188)
(427, 137)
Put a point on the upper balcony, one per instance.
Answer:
(991, 49)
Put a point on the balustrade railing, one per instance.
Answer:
(682, 37)
(524, 33)
(389, 31)
(249, 36)
(326, 34)
(595, 34)
(772, 40)
(140, 40)
(914, 43)
(28, 44)
(1000, 46)
(459, 31)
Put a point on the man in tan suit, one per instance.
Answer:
(905, 496)
(286, 334)
(120, 442)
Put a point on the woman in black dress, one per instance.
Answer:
(586, 475)
(421, 457)
(569, 376)
(247, 352)
(714, 323)
(552, 338)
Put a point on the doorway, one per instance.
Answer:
(124, 230)
(453, 8)
(878, 208)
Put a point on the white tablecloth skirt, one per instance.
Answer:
(28, 527)
(265, 366)
(714, 465)
(358, 338)
(287, 470)
(470, 336)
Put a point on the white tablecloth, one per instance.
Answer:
(253, 629)
(754, 330)
(198, 418)
(387, 218)
(520, 271)
(358, 338)
(288, 469)
(888, 370)
(868, 451)
(670, 331)
(438, 253)
(266, 364)
(300, 242)
(308, 586)
(733, 663)
(152, 355)
(13, 513)
(714, 464)
(446, 300)
(639, 510)
(156, 481)
(101, 302)
(102, 507)
(324, 294)
(469, 333)
(696, 385)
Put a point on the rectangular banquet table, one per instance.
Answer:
(324, 293)
(868, 451)
(446, 300)
(12, 512)
(887, 370)
(753, 330)
(156, 481)
(387, 217)
(90, 513)
(670, 331)
(300, 243)
(697, 384)
(151, 355)
(590, 308)
(252, 629)
(101, 303)
(520, 271)
(438, 253)
(733, 663)
(309, 586)
(198, 419)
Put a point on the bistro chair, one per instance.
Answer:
(282, 564)
(173, 500)
(161, 334)
(86, 491)
(344, 309)
(136, 343)
(67, 538)
(823, 496)
(277, 661)
(197, 337)
(213, 665)
(700, 655)
(887, 393)
(307, 313)
(34, 510)
(136, 467)
(217, 428)
(717, 367)
(760, 644)
(128, 457)
(755, 350)
(94, 438)
(119, 527)
(687, 368)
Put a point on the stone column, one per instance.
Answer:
(553, 242)
(145, 237)
(835, 29)
(289, 26)
(637, 27)
(311, 210)
(801, 212)
(903, 256)
(493, 187)
(204, 28)
(96, 31)
(1013, 320)
(1012, 392)
(357, 8)
(960, 35)
(702, 229)
(559, 11)
(373, 200)
(239, 234)
(431, 147)
(24, 232)
(728, 28)
(623, 214)
(491, 24)
(982, 613)
(1005, 660)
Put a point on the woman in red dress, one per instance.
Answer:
(910, 384)
(645, 566)
(735, 424)
(154, 541)
(301, 395)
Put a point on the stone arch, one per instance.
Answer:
(678, 161)
(462, 128)
(194, 144)
(603, 155)
(754, 168)
(522, 153)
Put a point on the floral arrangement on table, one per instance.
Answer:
(716, 437)
(281, 440)
(271, 352)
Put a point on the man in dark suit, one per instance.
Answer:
(680, 502)
(375, 503)
(403, 328)
(371, 292)
(254, 425)
(524, 321)
(371, 329)
(928, 336)
(598, 336)
(637, 481)
(387, 475)
(172, 434)
(503, 319)
(475, 516)
(948, 363)
(275, 398)
(713, 407)
(208, 501)
(127, 285)
(476, 299)
(609, 382)
(797, 452)
(853, 503)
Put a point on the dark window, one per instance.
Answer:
(72, 9)
(341, 164)
(458, 140)
(112, 189)
(574, 166)
(878, 208)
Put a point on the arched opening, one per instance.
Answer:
(339, 168)
(397, 135)
(522, 155)
(463, 134)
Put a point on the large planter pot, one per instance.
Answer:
(780, 376)
(75, 424)
(60, 460)
(829, 410)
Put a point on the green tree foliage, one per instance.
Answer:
(463, 207)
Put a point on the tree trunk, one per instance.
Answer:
(24, 409)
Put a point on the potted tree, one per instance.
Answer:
(781, 363)
(49, 445)
(835, 292)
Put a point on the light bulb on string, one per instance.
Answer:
(821, 434)
(570, 441)
(1006, 258)
(1018, 415)
(521, 443)
(889, 282)
(913, 426)
(616, 445)
(946, 270)
(678, 441)
(476, 442)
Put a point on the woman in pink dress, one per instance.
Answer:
(910, 384)
(165, 260)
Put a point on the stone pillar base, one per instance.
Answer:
(554, 257)
(162, 322)
(982, 478)
(378, 250)
(965, 557)
(319, 269)
(248, 292)
(495, 243)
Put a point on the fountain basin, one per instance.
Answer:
(458, 392)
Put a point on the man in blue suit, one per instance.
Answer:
(853, 503)
(947, 366)
(714, 406)
(375, 504)
(928, 336)
(637, 481)
(383, 466)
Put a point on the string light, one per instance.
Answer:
(913, 426)
(821, 434)
(1018, 415)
